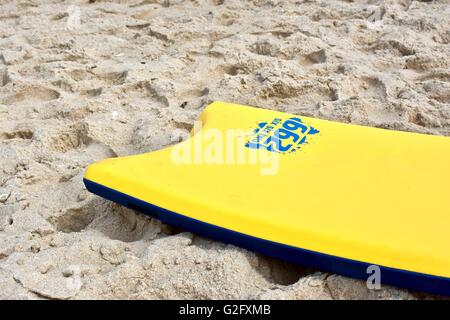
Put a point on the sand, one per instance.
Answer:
(83, 81)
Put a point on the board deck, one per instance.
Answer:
(334, 196)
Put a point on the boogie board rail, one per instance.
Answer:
(346, 267)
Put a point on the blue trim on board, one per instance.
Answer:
(351, 268)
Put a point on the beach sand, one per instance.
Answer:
(83, 81)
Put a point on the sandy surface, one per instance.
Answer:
(130, 77)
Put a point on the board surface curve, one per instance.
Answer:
(334, 196)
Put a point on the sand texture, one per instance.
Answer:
(83, 81)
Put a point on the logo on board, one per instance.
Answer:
(281, 136)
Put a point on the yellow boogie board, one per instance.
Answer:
(333, 196)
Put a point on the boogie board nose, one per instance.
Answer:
(101, 171)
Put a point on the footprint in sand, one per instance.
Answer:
(371, 88)
(31, 94)
(314, 58)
